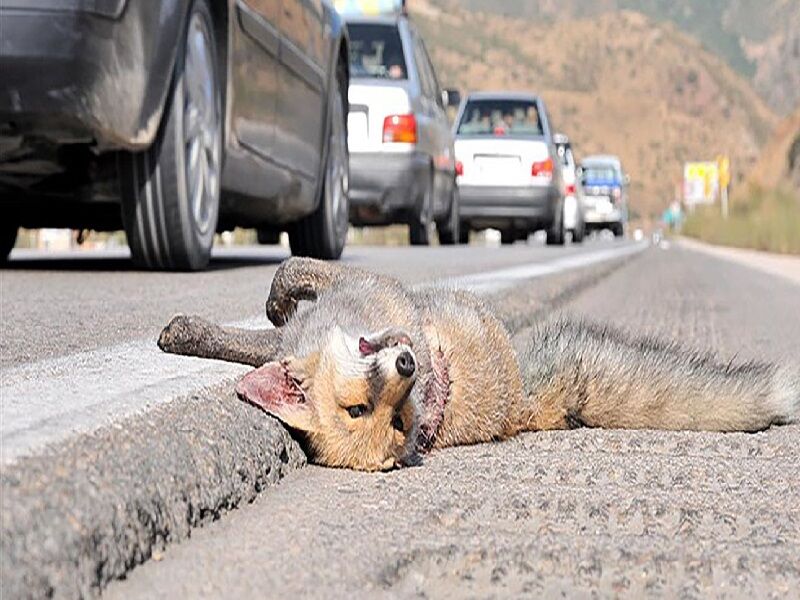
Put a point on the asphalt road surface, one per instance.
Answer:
(574, 513)
(547, 514)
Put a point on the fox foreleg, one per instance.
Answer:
(298, 279)
(194, 336)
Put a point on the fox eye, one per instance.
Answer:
(359, 410)
(397, 422)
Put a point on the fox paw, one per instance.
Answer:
(280, 310)
(181, 334)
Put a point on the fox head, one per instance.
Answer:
(350, 399)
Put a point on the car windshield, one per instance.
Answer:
(600, 174)
(500, 117)
(376, 51)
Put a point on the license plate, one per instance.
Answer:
(598, 203)
(497, 166)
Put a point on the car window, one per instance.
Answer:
(500, 117)
(376, 51)
(600, 174)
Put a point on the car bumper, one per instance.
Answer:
(383, 185)
(490, 206)
(595, 217)
(77, 75)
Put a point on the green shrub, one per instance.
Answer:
(760, 219)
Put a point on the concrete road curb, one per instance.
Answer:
(90, 509)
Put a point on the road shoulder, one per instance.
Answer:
(780, 265)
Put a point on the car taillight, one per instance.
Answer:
(542, 168)
(400, 128)
(459, 168)
(616, 193)
(569, 189)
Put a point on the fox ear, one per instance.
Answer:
(382, 340)
(281, 389)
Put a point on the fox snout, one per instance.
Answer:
(406, 365)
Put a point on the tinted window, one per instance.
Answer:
(600, 174)
(376, 51)
(500, 117)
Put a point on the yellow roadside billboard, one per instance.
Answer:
(700, 182)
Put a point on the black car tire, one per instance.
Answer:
(579, 233)
(618, 230)
(450, 227)
(267, 237)
(508, 236)
(555, 233)
(463, 233)
(8, 237)
(323, 233)
(170, 192)
(419, 230)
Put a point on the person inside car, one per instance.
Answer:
(394, 62)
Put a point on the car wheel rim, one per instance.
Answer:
(201, 125)
(336, 176)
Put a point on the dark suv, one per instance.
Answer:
(175, 119)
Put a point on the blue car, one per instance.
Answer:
(605, 194)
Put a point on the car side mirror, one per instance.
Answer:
(579, 172)
(451, 97)
(626, 179)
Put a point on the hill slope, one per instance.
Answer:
(779, 163)
(628, 86)
(758, 39)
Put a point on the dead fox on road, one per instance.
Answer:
(373, 373)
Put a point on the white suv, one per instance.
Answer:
(402, 166)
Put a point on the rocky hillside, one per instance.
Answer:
(779, 163)
(618, 83)
(760, 39)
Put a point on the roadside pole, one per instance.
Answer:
(724, 174)
(724, 198)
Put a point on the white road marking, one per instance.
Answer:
(493, 281)
(47, 401)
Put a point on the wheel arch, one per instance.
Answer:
(167, 43)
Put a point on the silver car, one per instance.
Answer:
(175, 120)
(402, 166)
(509, 174)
